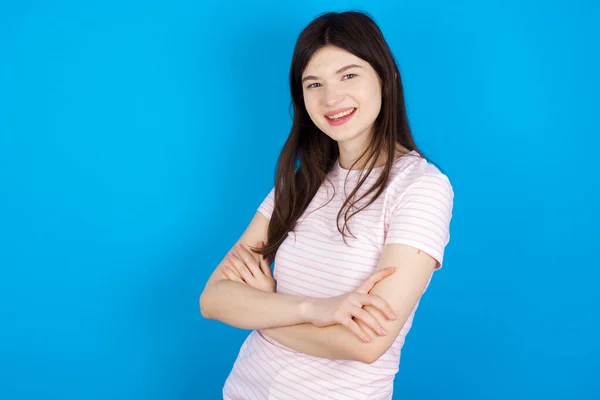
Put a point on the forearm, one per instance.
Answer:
(333, 342)
(245, 307)
(337, 341)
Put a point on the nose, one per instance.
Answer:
(332, 95)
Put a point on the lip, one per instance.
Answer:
(341, 120)
(338, 111)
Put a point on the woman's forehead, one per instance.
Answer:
(329, 59)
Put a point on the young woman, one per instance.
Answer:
(356, 231)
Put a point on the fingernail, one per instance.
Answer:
(392, 316)
(367, 339)
(381, 332)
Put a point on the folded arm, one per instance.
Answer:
(402, 291)
(288, 319)
(245, 307)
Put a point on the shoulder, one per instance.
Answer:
(416, 173)
(420, 208)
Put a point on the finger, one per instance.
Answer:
(259, 245)
(248, 258)
(241, 268)
(380, 304)
(265, 265)
(369, 320)
(373, 279)
(229, 274)
(263, 260)
(265, 268)
(357, 330)
(377, 276)
(230, 268)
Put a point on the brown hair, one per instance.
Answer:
(357, 33)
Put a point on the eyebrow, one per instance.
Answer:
(339, 71)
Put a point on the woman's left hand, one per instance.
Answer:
(250, 268)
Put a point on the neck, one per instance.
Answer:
(348, 156)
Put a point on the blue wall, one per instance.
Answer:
(137, 140)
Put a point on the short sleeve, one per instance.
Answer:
(267, 205)
(421, 216)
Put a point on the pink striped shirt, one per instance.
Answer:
(415, 209)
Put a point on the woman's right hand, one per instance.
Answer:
(344, 309)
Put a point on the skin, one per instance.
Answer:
(328, 86)
(246, 267)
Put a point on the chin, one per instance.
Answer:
(342, 135)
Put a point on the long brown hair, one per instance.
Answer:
(357, 33)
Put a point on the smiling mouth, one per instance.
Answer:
(340, 115)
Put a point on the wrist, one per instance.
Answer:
(306, 309)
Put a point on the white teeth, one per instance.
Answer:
(340, 115)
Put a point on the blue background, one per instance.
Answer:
(138, 138)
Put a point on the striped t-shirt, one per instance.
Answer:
(415, 209)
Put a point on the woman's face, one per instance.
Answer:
(342, 94)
